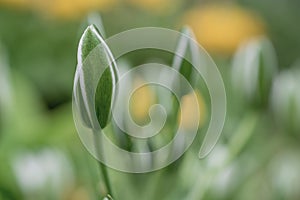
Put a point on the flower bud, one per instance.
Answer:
(254, 67)
(285, 99)
(94, 57)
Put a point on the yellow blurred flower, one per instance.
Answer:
(63, 9)
(187, 116)
(141, 101)
(222, 28)
(16, 3)
(154, 5)
(72, 9)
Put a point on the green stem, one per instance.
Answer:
(102, 167)
(104, 173)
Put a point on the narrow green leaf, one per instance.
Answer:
(183, 49)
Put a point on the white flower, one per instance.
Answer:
(48, 169)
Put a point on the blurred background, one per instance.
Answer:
(256, 46)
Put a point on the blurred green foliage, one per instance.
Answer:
(42, 59)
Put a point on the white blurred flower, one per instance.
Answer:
(225, 181)
(218, 157)
(285, 174)
(285, 101)
(48, 169)
(254, 66)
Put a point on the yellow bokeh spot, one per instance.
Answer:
(62, 9)
(141, 101)
(153, 5)
(72, 9)
(16, 3)
(222, 28)
(187, 114)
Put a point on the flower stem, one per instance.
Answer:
(104, 173)
(102, 167)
